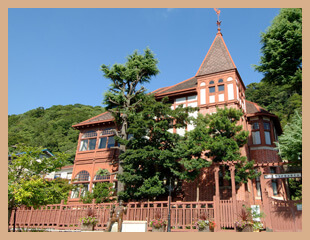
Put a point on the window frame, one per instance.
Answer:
(107, 136)
(88, 139)
(80, 190)
(255, 130)
(267, 130)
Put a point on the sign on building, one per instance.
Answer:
(282, 175)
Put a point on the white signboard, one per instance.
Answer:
(131, 226)
(282, 175)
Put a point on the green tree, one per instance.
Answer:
(216, 138)
(290, 142)
(150, 150)
(26, 186)
(126, 89)
(154, 152)
(281, 60)
(102, 192)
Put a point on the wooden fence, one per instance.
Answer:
(184, 215)
(285, 217)
(280, 215)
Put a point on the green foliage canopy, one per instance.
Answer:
(26, 185)
(150, 154)
(290, 142)
(216, 138)
(126, 90)
(281, 60)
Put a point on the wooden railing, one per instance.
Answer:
(184, 215)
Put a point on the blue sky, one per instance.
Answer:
(55, 54)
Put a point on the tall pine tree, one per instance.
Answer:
(126, 89)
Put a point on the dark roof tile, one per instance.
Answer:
(189, 83)
(217, 59)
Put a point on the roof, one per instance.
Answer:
(218, 58)
(45, 150)
(103, 117)
(253, 108)
(185, 85)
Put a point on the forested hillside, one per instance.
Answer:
(50, 128)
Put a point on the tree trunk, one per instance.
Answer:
(120, 185)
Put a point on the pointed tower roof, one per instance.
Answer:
(218, 58)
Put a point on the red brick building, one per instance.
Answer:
(217, 83)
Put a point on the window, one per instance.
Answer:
(89, 141)
(211, 82)
(192, 98)
(106, 139)
(258, 187)
(221, 88)
(266, 126)
(275, 134)
(211, 89)
(111, 142)
(255, 133)
(255, 126)
(101, 177)
(84, 189)
(57, 176)
(220, 81)
(75, 193)
(267, 133)
(274, 182)
(103, 142)
(82, 176)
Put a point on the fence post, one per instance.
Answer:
(292, 208)
(233, 189)
(216, 200)
(30, 216)
(266, 201)
(59, 214)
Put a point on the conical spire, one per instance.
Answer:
(218, 58)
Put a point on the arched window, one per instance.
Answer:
(211, 82)
(202, 84)
(220, 81)
(83, 176)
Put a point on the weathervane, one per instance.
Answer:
(218, 19)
